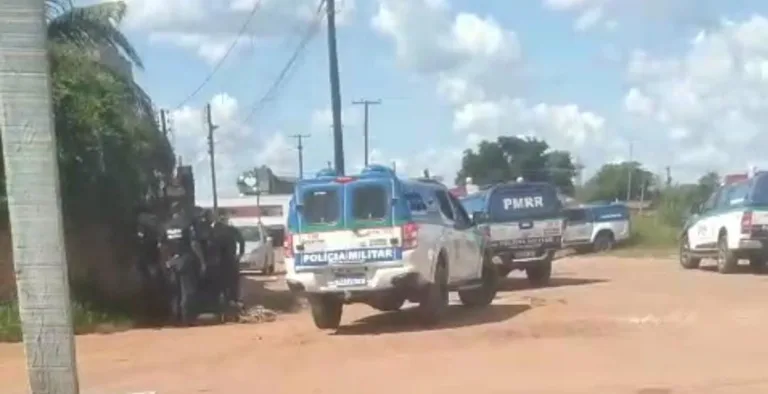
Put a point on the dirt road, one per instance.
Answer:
(607, 325)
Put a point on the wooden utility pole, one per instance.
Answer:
(630, 170)
(34, 198)
(300, 147)
(163, 123)
(366, 104)
(212, 154)
(333, 66)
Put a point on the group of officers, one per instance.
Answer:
(193, 256)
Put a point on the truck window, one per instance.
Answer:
(321, 206)
(445, 204)
(760, 191)
(576, 215)
(250, 233)
(370, 202)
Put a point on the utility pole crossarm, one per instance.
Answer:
(366, 104)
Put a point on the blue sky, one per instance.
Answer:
(687, 83)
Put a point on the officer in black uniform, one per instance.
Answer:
(187, 263)
(148, 264)
(231, 247)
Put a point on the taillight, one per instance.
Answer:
(746, 222)
(410, 235)
(288, 245)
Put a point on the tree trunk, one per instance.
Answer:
(34, 198)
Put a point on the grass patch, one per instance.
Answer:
(87, 318)
(649, 237)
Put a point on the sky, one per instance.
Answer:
(680, 84)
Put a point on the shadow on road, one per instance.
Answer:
(269, 294)
(739, 269)
(513, 284)
(407, 320)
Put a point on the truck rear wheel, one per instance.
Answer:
(539, 274)
(326, 311)
(483, 295)
(434, 299)
(726, 261)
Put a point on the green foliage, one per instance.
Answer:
(675, 202)
(611, 180)
(508, 158)
(86, 317)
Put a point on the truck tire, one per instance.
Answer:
(434, 297)
(326, 311)
(687, 261)
(726, 261)
(483, 295)
(540, 273)
(604, 242)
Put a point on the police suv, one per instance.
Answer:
(731, 225)
(381, 240)
(524, 223)
(597, 227)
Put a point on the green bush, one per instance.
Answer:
(652, 231)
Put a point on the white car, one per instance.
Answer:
(259, 252)
(596, 227)
(731, 225)
(380, 240)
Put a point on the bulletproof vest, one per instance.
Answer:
(179, 235)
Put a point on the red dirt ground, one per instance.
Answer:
(607, 325)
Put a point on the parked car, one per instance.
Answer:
(731, 225)
(259, 252)
(596, 227)
(378, 239)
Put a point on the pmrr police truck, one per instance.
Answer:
(524, 225)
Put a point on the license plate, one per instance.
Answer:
(348, 281)
(314, 246)
(526, 254)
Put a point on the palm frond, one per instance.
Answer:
(93, 26)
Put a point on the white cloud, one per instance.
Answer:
(232, 141)
(706, 108)
(478, 65)
(608, 14)
(209, 27)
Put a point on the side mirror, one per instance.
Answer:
(478, 217)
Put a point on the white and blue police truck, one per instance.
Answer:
(596, 227)
(378, 239)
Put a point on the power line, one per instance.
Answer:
(221, 60)
(271, 92)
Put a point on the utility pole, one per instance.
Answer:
(212, 154)
(300, 147)
(333, 66)
(34, 199)
(366, 104)
(630, 169)
(669, 176)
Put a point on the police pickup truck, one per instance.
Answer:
(524, 224)
(381, 240)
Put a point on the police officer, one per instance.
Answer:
(231, 247)
(182, 237)
(148, 236)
